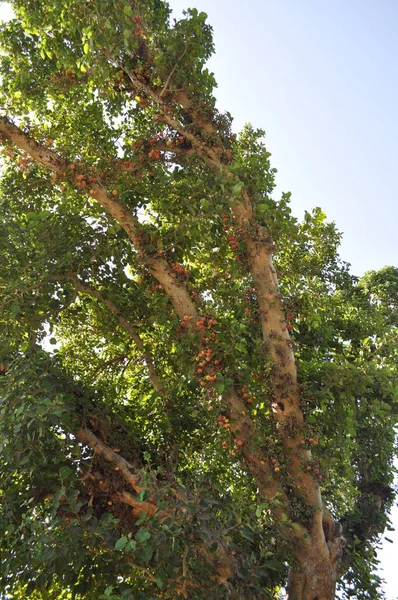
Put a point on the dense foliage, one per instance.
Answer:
(145, 451)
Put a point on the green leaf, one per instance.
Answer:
(262, 572)
(141, 496)
(127, 10)
(108, 591)
(66, 472)
(263, 207)
(142, 535)
(15, 309)
(87, 516)
(121, 543)
(274, 565)
(220, 387)
(132, 545)
(141, 518)
(247, 533)
(237, 188)
(161, 577)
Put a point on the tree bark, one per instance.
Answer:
(315, 579)
(315, 574)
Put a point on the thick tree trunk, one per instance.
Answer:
(314, 580)
(314, 576)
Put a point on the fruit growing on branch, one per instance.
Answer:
(175, 421)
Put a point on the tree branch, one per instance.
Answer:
(173, 69)
(286, 405)
(203, 149)
(87, 437)
(127, 326)
(158, 267)
(241, 424)
(138, 506)
(175, 290)
(286, 402)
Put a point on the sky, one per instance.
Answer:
(321, 77)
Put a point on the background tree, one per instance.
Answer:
(215, 366)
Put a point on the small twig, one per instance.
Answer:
(185, 573)
(126, 366)
(147, 572)
(173, 69)
(106, 363)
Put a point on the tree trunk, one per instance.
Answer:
(314, 576)
(315, 580)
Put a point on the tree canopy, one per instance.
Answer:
(198, 399)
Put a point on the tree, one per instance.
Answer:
(216, 415)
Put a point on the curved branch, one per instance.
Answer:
(158, 267)
(86, 436)
(92, 291)
(138, 507)
(207, 152)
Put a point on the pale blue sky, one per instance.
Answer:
(321, 77)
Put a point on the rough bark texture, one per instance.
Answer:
(315, 573)
(315, 579)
